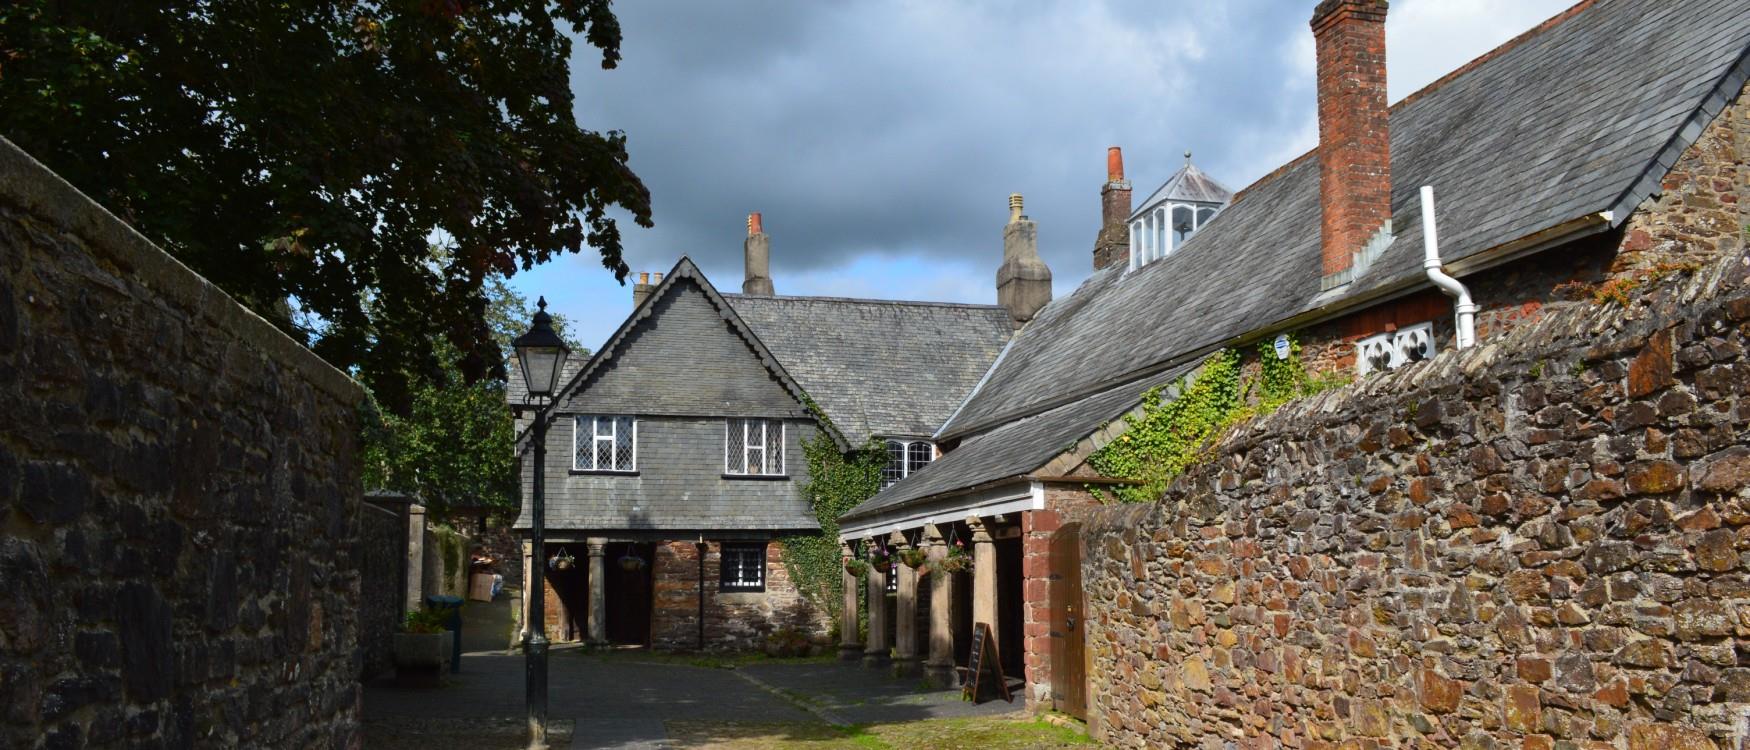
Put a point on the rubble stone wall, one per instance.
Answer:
(1540, 542)
(180, 498)
(382, 584)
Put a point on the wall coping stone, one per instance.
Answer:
(31, 186)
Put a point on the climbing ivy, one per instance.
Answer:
(1168, 435)
(837, 482)
(1163, 437)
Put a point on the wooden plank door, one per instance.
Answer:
(1069, 673)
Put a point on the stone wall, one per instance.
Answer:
(382, 584)
(733, 621)
(445, 571)
(179, 494)
(1539, 542)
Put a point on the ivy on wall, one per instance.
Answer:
(1167, 435)
(837, 482)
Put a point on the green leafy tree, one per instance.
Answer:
(454, 445)
(303, 155)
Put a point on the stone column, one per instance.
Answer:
(906, 661)
(850, 647)
(984, 579)
(415, 557)
(598, 600)
(939, 667)
(876, 654)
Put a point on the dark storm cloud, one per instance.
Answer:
(859, 128)
(881, 139)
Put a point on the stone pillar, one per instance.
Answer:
(906, 660)
(850, 647)
(939, 667)
(984, 579)
(598, 600)
(415, 557)
(876, 654)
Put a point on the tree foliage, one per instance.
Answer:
(454, 446)
(304, 156)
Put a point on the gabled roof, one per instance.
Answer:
(1188, 184)
(1563, 130)
(879, 367)
(687, 270)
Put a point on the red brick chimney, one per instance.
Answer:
(1112, 245)
(1354, 134)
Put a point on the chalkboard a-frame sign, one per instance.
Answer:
(977, 666)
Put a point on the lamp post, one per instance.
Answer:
(541, 357)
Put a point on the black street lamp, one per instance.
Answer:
(541, 356)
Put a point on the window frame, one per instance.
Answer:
(747, 448)
(905, 467)
(724, 584)
(595, 437)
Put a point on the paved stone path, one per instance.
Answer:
(622, 703)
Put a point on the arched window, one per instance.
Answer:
(905, 457)
(895, 468)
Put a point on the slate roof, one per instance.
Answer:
(1014, 449)
(1583, 117)
(1187, 184)
(879, 367)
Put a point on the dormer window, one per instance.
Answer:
(1174, 212)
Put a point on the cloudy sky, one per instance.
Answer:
(880, 140)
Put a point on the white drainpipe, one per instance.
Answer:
(1462, 305)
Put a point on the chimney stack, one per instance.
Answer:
(1354, 135)
(1112, 245)
(1023, 281)
(757, 280)
(641, 290)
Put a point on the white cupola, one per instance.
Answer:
(1173, 212)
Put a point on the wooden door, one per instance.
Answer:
(1069, 674)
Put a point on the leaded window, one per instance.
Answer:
(743, 567)
(905, 457)
(754, 447)
(605, 443)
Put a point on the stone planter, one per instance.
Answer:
(422, 658)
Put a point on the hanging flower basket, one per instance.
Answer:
(632, 563)
(857, 568)
(957, 560)
(914, 558)
(563, 561)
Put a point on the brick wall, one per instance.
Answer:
(180, 498)
(1699, 218)
(1534, 544)
(733, 621)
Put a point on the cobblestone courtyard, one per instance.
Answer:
(623, 701)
